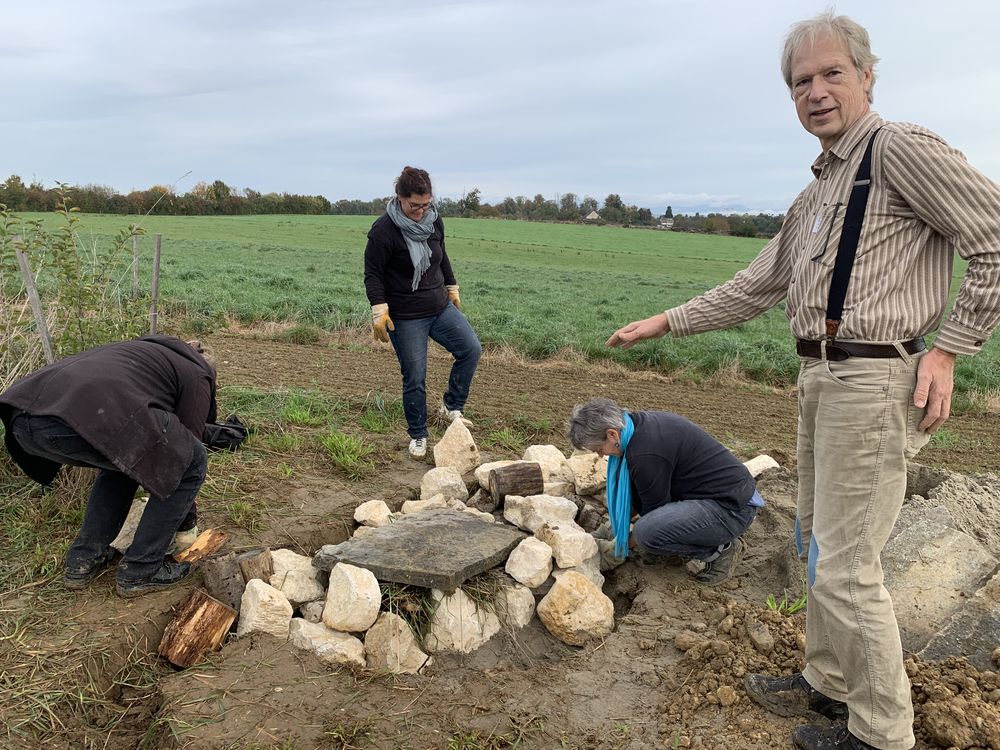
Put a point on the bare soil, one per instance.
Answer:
(669, 676)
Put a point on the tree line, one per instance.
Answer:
(218, 198)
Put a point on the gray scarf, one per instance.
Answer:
(415, 233)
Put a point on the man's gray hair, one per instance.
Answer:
(851, 33)
(589, 423)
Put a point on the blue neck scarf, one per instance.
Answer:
(620, 492)
(415, 233)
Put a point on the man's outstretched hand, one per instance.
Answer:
(650, 328)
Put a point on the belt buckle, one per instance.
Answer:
(836, 354)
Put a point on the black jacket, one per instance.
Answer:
(141, 403)
(389, 272)
(670, 458)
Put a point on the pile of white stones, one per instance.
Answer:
(560, 563)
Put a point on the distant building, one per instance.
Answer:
(666, 223)
(592, 216)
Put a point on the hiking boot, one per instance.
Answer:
(183, 540)
(418, 447)
(170, 574)
(78, 576)
(721, 569)
(834, 737)
(792, 696)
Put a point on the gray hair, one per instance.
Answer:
(851, 33)
(589, 423)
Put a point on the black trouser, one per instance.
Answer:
(111, 497)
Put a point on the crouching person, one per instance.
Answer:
(693, 497)
(135, 411)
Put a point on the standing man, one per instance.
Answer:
(135, 411)
(870, 393)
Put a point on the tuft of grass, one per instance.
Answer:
(413, 603)
(348, 453)
(945, 438)
(245, 514)
(507, 438)
(283, 442)
(786, 606)
(381, 414)
(299, 334)
(278, 408)
(355, 736)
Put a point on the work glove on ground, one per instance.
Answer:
(453, 295)
(381, 322)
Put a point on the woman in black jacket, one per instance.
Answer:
(414, 297)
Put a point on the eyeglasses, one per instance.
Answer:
(418, 206)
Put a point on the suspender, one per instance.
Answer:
(849, 237)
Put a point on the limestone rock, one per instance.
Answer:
(532, 512)
(458, 624)
(759, 464)
(415, 506)
(362, 531)
(589, 568)
(558, 489)
(457, 449)
(264, 609)
(390, 646)
(312, 611)
(530, 563)
(760, 635)
(482, 500)
(575, 611)
(295, 577)
(373, 513)
(443, 481)
(353, 599)
(487, 517)
(590, 472)
(553, 463)
(515, 605)
(332, 647)
(570, 544)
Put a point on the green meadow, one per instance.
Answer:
(540, 288)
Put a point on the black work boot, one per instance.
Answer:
(170, 574)
(721, 569)
(79, 575)
(834, 737)
(792, 696)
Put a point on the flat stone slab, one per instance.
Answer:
(435, 549)
(931, 571)
(973, 632)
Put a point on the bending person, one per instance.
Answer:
(414, 297)
(694, 498)
(135, 411)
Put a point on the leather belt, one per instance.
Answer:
(837, 351)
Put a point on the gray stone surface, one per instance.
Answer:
(436, 549)
(973, 632)
(931, 570)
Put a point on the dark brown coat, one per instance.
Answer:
(139, 403)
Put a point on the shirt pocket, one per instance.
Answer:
(824, 237)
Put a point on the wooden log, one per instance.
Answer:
(256, 563)
(208, 542)
(200, 626)
(224, 579)
(521, 478)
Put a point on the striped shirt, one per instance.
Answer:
(926, 202)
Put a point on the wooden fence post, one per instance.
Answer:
(155, 288)
(36, 303)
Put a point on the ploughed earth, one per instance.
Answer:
(670, 674)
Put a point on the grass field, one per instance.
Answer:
(540, 288)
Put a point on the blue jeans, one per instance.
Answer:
(111, 497)
(452, 331)
(691, 528)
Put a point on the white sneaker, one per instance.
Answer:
(418, 447)
(448, 416)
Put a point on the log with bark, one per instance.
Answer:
(200, 626)
(521, 478)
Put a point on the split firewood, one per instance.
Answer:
(208, 541)
(200, 626)
(256, 563)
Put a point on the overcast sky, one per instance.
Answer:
(675, 102)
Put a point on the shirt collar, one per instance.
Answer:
(842, 149)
